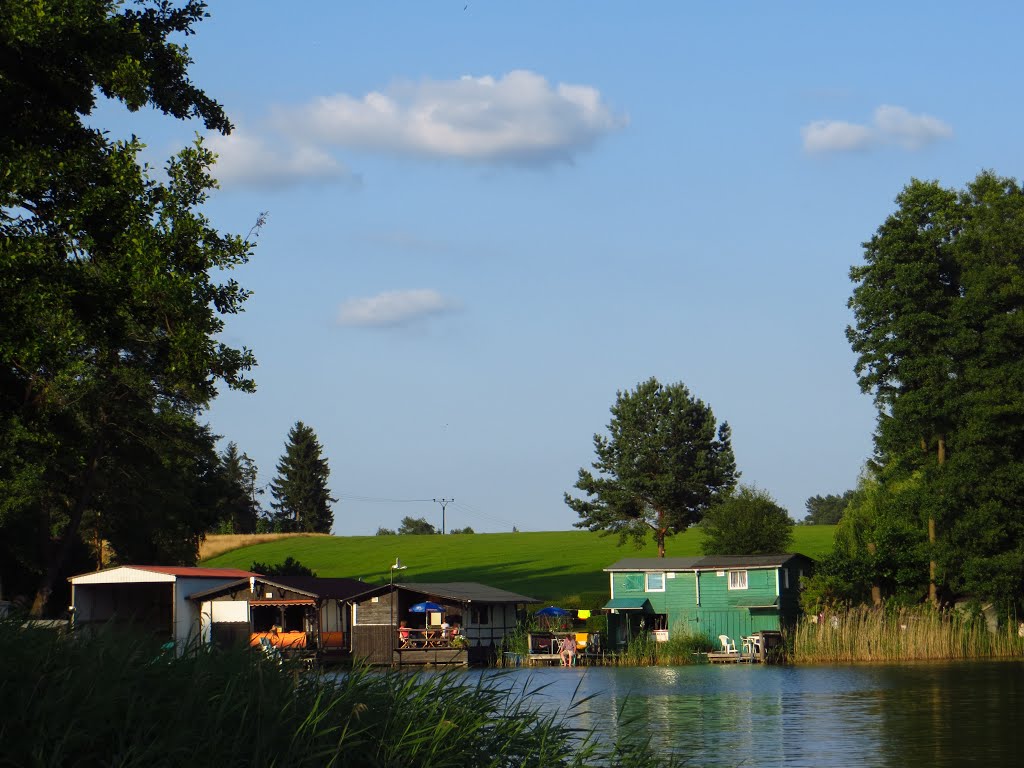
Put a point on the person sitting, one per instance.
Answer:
(403, 634)
(444, 629)
(567, 650)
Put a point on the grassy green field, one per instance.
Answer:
(563, 567)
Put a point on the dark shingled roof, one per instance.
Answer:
(332, 588)
(314, 586)
(706, 563)
(468, 592)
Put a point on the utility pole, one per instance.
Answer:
(444, 503)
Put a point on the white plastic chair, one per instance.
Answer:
(728, 644)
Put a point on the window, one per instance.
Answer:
(481, 614)
(655, 582)
(785, 578)
(633, 582)
(737, 579)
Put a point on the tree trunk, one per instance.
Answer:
(933, 592)
(58, 554)
(876, 590)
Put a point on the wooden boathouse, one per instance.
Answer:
(484, 616)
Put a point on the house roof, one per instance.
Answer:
(706, 563)
(143, 573)
(469, 592)
(313, 586)
(460, 591)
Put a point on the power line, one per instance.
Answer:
(378, 499)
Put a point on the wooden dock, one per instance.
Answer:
(717, 657)
(434, 657)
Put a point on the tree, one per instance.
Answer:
(416, 526)
(659, 470)
(238, 507)
(385, 532)
(109, 310)
(467, 529)
(290, 567)
(826, 510)
(747, 522)
(302, 500)
(880, 549)
(940, 344)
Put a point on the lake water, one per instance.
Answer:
(948, 714)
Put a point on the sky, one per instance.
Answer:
(485, 219)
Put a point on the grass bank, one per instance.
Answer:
(920, 633)
(562, 567)
(109, 701)
(218, 543)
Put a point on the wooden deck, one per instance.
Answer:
(431, 656)
(731, 658)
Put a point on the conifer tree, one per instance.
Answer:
(302, 500)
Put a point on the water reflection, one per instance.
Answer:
(934, 714)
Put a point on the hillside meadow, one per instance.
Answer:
(563, 567)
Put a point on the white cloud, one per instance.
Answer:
(910, 131)
(248, 159)
(835, 136)
(392, 308)
(890, 126)
(518, 118)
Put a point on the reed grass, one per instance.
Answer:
(110, 700)
(907, 634)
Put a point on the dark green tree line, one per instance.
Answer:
(939, 334)
(109, 309)
(828, 509)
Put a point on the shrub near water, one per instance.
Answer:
(109, 701)
(907, 634)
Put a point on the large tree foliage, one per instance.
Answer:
(416, 526)
(663, 463)
(880, 550)
(747, 522)
(109, 308)
(302, 500)
(826, 510)
(939, 334)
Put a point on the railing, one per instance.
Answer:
(422, 639)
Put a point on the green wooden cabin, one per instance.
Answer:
(730, 595)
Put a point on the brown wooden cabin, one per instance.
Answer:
(485, 615)
(293, 613)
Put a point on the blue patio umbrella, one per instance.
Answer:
(426, 607)
(551, 612)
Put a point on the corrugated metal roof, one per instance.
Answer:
(126, 574)
(706, 563)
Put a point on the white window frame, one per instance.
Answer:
(734, 580)
(647, 582)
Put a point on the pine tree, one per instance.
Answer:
(302, 500)
(239, 506)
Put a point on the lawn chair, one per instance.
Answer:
(728, 644)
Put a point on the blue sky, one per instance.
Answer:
(486, 218)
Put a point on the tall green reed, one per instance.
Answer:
(904, 634)
(116, 700)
